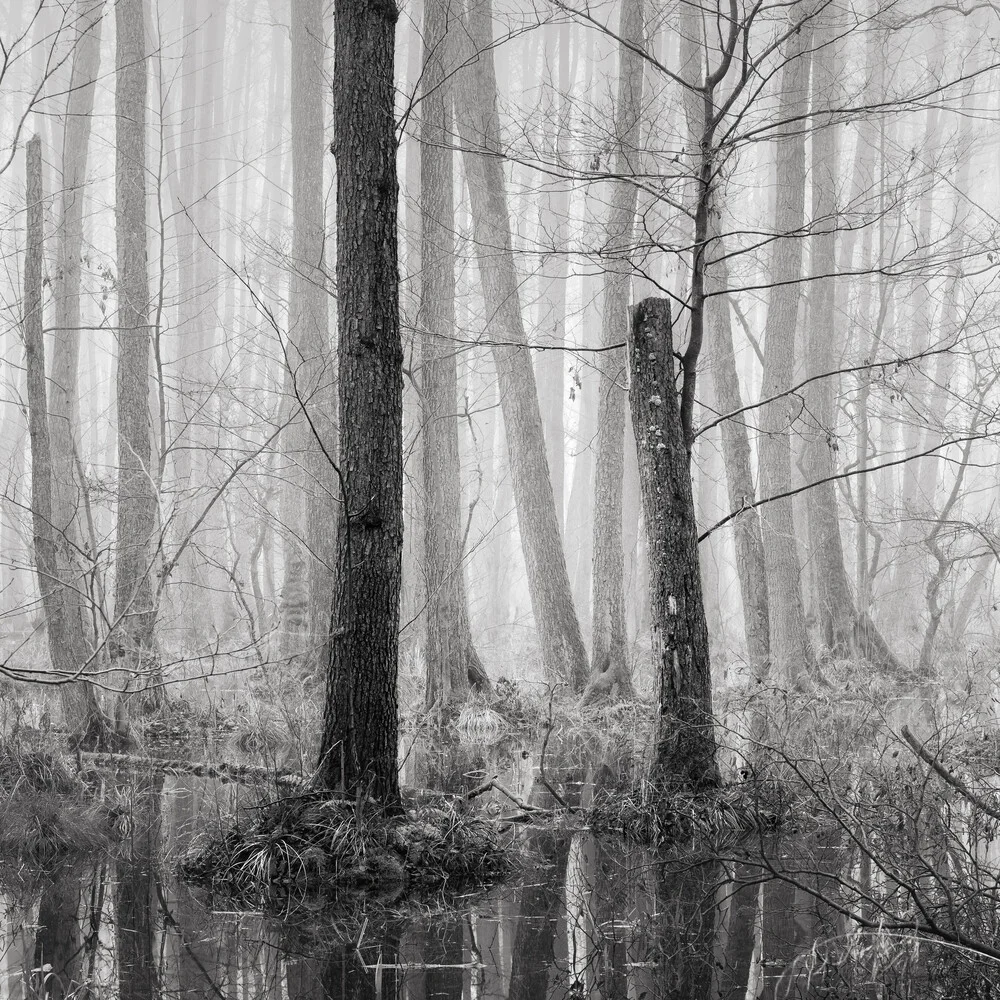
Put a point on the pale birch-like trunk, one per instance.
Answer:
(843, 630)
(789, 648)
(610, 675)
(563, 651)
(453, 665)
(310, 490)
(64, 386)
(135, 612)
(62, 600)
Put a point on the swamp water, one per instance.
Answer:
(588, 917)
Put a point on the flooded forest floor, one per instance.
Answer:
(532, 860)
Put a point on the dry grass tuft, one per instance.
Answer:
(479, 725)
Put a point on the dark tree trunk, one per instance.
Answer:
(135, 613)
(452, 661)
(62, 602)
(610, 672)
(685, 743)
(358, 747)
(563, 650)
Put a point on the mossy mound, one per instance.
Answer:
(312, 843)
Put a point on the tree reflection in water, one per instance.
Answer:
(591, 918)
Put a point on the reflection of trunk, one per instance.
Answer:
(533, 950)
(687, 899)
(135, 613)
(548, 581)
(359, 742)
(57, 940)
(353, 973)
(685, 752)
(452, 661)
(62, 603)
(135, 899)
(609, 661)
(444, 946)
(788, 645)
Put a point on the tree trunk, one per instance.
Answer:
(452, 661)
(358, 747)
(789, 649)
(739, 470)
(61, 600)
(685, 742)
(201, 572)
(64, 394)
(310, 489)
(844, 631)
(554, 208)
(609, 664)
(563, 651)
(135, 613)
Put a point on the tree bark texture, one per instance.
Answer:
(358, 747)
(135, 613)
(62, 602)
(685, 742)
(310, 499)
(789, 651)
(610, 672)
(453, 665)
(563, 651)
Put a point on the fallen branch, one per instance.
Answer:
(519, 802)
(945, 775)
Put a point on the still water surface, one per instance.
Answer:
(589, 918)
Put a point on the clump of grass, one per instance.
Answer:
(260, 730)
(645, 815)
(308, 843)
(25, 768)
(44, 807)
(44, 825)
(480, 725)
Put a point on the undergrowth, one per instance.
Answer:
(46, 808)
(303, 844)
